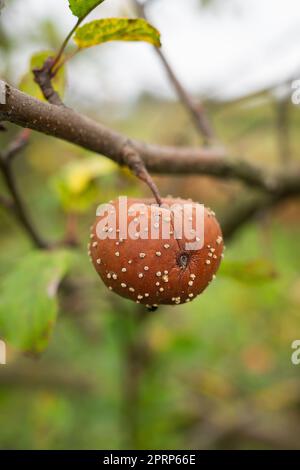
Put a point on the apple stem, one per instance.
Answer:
(133, 160)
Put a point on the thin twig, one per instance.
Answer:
(64, 60)
(45, 74)
(55, 64)
(18, 207)
(196, 110)
(16, 204)
(17, 145)
(134, 162)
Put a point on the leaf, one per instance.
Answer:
(116, 29)
(77, 186)
(27, 83)
(82, 8)
(253, 271)
(29, 307)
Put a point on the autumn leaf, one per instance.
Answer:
(116, 29)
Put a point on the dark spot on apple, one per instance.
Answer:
(183, 260)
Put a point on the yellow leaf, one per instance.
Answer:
(116, 29)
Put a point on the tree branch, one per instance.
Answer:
(243, 212)
(37, 377)
(17, 145)
(196, 110)
(17, 204)
(253, 206)
(66, 124)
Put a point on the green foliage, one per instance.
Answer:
(77, 184)
(82, 8)
(29, 86)
(116, 29)
(250, 272)
(29, 306)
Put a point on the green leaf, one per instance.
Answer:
(82, 8)
(116, 29)
(250, 272)
(29, 307)
(27, 83)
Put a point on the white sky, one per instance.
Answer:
(232, 49)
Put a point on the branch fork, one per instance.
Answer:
(43, 77)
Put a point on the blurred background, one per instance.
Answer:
(212, 374)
